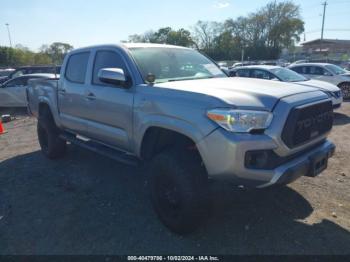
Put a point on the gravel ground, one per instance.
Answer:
(88, 204)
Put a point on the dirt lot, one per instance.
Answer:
(88, 204)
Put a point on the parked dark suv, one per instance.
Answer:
(25, 70)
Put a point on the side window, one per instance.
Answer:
(297, 69)
(316, 70)
(261, 74)
(305, 70)
(76, 67)
(243, 73)
(301, 70)
(106, 59)
(17, 82)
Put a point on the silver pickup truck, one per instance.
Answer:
(175, 111)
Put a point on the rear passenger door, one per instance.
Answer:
(110, 106)
(71, 93)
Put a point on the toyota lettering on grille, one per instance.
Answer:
(314, 122)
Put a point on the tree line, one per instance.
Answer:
(260, 35)
(47, 55)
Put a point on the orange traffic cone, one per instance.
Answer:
(2, 129)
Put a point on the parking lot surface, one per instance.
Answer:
(89, 204)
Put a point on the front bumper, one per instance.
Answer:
(223, 154)
(337, 102)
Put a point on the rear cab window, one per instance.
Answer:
(76, 67)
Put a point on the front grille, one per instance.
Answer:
(306, 123)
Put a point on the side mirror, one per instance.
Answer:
(326, 73)
(114, 76)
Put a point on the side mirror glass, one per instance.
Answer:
(114, 76)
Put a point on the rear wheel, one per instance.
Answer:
(178, 189)
(345, 88)
(51, 144)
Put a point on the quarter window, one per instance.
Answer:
(76, 67)
(107, 59)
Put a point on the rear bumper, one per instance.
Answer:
(223, 154)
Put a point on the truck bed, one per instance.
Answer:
(40, 90)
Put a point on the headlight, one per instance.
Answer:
(240, 121)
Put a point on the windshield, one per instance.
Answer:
(174, 64)
(337, 70)
(287, 75)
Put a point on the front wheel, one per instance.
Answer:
(345, 89)
(178, 189)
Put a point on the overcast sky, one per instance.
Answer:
(87, 22)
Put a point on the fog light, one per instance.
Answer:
(256, 159)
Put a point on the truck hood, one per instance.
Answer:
(240, 92)
(322, 85)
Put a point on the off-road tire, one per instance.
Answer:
(178, 184)
(51, 144)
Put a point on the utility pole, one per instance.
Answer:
(242, 55)
(8, 31)
(324, 18)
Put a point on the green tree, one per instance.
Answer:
(205, 33)
(266, 32)
(21, 55)
(56, 51)
(165, 35)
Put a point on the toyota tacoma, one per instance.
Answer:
(173, 110)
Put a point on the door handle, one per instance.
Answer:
(91, 96)
(62, 90)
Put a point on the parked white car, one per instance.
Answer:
(13, 92)
(278, 73)
(326, 72)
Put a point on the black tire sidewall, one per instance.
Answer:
(190, 185)
(55, 146)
